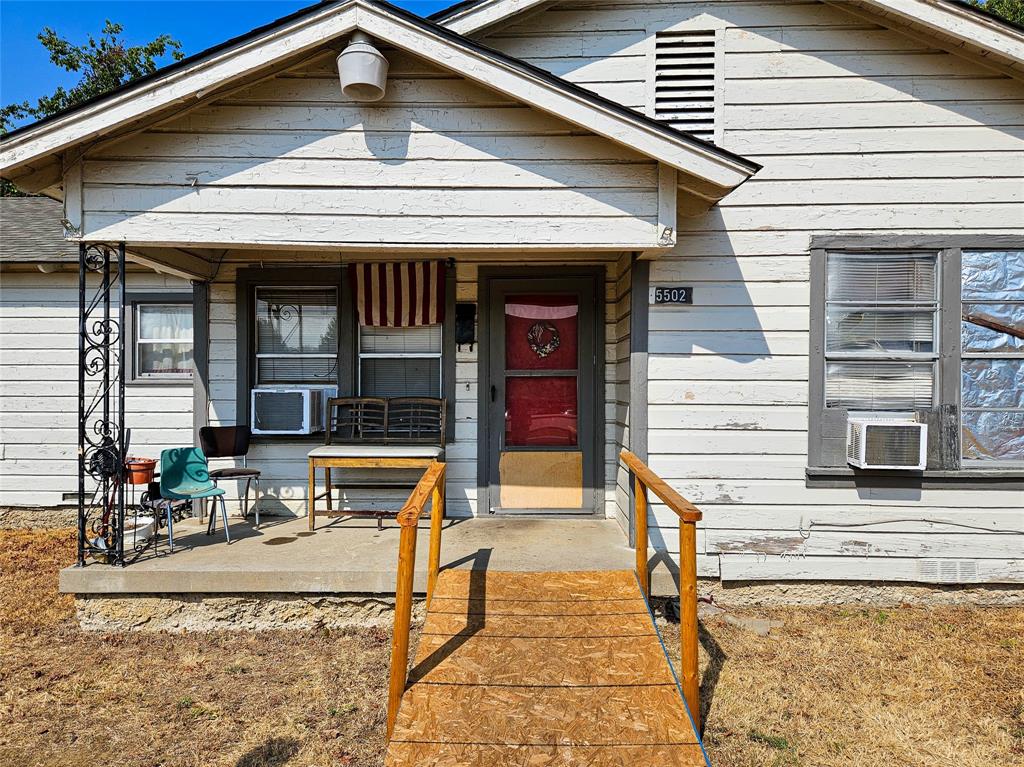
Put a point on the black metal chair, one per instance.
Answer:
(232, 442)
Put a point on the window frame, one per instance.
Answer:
(934, 306)
(826, 464)
(257, 355)
(360, 356)
(133, 301)
(977, 463)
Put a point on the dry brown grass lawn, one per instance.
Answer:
(829, 688)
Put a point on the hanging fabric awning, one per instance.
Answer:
(399, 295)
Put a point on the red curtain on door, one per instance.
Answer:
(405, 294)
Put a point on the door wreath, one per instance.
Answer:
(535, 337)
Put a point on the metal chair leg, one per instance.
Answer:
(244, 500)
(211, 525)
(224, 516)
(170, 526)
(256, 500)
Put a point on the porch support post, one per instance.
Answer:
(122, 437)
(640, 280)
(200, 357)
(81, 403)
(102, 438)
(201, 365)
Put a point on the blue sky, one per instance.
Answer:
(25, 68)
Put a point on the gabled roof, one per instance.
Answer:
(705, 170)
(954, 21)
(31, 231)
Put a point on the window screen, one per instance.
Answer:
(400, 362)
(992, 355)
(296, 336)
(163, 340)
(881, 330)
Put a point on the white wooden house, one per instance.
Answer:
(744, 223)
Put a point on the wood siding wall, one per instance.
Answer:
(860, 129)
(439, 162)
(39, 388)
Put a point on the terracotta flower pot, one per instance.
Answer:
(140, 470)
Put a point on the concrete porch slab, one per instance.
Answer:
(349, 556)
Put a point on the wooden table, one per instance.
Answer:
(328, 462)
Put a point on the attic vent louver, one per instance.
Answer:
(684, 81)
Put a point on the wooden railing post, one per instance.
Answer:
(643, 572)
(403, 620)
(436, 520)
(431, 485)
(689, 668)
(646, 481)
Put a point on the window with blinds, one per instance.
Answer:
(296, 335)
(881, 331)
(400, 362)
(684, 81)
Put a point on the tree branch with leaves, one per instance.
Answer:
(103, 64)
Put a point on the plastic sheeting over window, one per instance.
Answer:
(993, 328)
(992, 344)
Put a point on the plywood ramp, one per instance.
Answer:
(541, 670)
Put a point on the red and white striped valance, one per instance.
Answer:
(399, 295)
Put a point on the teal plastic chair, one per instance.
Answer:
(185, 475)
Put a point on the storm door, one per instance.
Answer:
(542, 373)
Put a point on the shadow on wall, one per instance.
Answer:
(724, 319)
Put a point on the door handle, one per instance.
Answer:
(494, 393)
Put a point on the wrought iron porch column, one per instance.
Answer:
(102, 440)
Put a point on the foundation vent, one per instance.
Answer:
(684, 81)
(947, 570)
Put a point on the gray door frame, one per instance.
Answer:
(588, 282)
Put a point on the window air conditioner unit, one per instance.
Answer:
(886, 443)
(289, 411)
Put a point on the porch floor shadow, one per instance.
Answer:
(347, 555)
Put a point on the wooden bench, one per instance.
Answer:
(375, 433)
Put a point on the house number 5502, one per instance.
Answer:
(671, 294)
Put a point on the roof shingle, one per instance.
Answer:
(31, 230)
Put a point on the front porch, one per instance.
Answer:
(350, 556)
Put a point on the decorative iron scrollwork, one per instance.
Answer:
(101, 435)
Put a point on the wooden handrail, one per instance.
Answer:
(430, 486)
(646, 480)
(685, 510)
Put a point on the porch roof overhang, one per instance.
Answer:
(29, 154)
